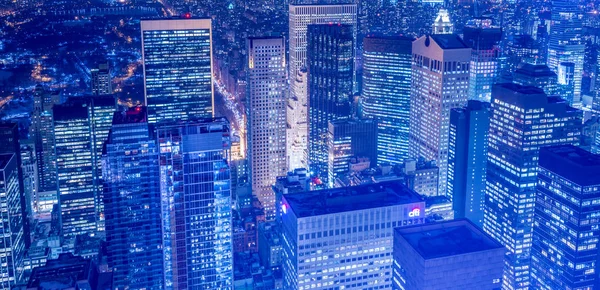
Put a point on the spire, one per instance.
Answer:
(442, 23)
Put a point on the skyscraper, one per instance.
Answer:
(81, 126)
(43, 136)
(177, 57)
(440, 82)
(566, 45)
(196, 203)
(564, 254)
(75, 167)
(467, 159)
(442, 23)
(347, 139)
(386, 94)
(132, 203)
(537, 75)
(267, 106)
(330, 79)
(101, 80)
(13, 238)
(446, 255)
(343, 237)
(483, 37)
(300, 16)
(523, 120)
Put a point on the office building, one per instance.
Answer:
(267, 84)
(133, 203)
(330, 79)
(523, 120)
(177, 63)
(101, 111)
(300, 16)
(421, 176)
(343, 237)
(75, 167)
(294, 181)
(483, 37)
(446, 255)
(101, 80)
(195, 185)
(69, 272)
(13, 222)
(386, 94)
(442, 23)
(349, 139)
(440, 82)
(566, 47)
(42, 131)
(536, 75)
(467, 159)
(564, 254)
(270, 249)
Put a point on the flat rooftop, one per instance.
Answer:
(445, 239)
(337, 200)
(4, 159)
(573, 163)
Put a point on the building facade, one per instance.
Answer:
(195, 184)
(343, 237)
(347, 139)
(440, 82)
(177, 62)
(43, 136)
(467, 159)
(483, 37)
(330, 82)
(446, 255)
(386, 94)
(13, 238)
(133, 203)
(564, 252)
(300, 16)
(537, 75)
(523, 120)
(267, 84)
(101, 80)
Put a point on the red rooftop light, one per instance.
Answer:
(187, 15)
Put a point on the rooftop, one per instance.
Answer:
(337, 200)
(4, 159)
(573, 163)
(535, 70)
(131, 116)
(449, 41)
(445, 239)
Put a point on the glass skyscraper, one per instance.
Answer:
(195, 186)
(267, 91)
(13, 234)
(523, 120)
(386, 94)
(42, 131)
(133, 203)
(467, 159)
(565, 254)
(300, 16)
(177, 56)
(330, 55)
(483, 38)
(566, 48)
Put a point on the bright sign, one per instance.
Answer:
(284, 208)
(415, 212)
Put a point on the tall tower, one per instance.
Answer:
(195, 188)
(101, 80)
(483, 37)
(566, 48)
(43, 136)
(177, 57)
(13, 234)
(267, 99)
(440, 82)
(300, 16)
(386, 94)
(568, 183)
(467, 159)
(442, 23)
(132, 203)
(523, 120)
(81, 126)
(330, 81)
